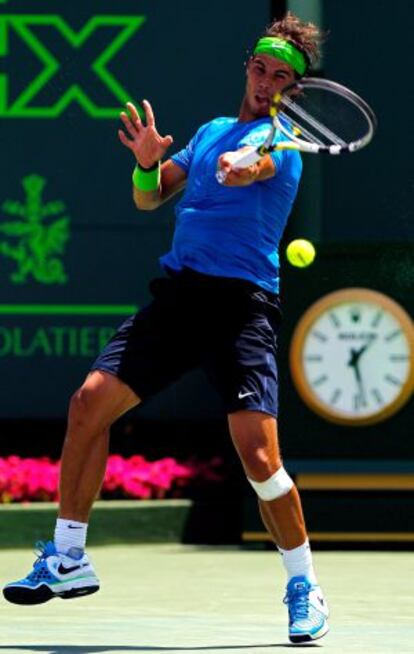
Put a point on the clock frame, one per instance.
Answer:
(303, 328)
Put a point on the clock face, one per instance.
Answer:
(352, 357)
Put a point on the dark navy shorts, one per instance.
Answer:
(227, 326)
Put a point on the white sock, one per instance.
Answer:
(298, 562)
(70, 533)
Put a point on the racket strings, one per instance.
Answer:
(295, 108)
(302, 131)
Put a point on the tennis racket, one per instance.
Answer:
(315, 115)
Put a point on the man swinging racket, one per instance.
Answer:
(217, 307)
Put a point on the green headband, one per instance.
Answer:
(283, 50)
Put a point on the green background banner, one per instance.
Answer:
(75, 255)
(70, 237)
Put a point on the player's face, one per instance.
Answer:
(265, 77)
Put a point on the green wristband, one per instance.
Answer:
(147, 179)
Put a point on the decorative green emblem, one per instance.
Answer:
(34, 241)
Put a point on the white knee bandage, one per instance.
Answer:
(276, 486)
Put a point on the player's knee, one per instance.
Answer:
(275, 486)
(78, 405)
(259, 462)
(81, 407)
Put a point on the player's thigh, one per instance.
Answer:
(242, 365)
(101, 400)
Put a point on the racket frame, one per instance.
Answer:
(252, 155)
(305, 146)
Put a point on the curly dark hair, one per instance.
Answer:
(306, 37)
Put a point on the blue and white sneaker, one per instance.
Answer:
(308, 611)
(54, 575)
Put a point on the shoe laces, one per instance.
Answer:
(43, 550)
(298, 601)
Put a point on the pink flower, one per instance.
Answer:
(23, 480)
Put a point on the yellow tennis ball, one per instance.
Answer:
(300, 253)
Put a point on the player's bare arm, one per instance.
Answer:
(149, 147)
(258, 172)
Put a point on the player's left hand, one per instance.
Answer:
(237, 176)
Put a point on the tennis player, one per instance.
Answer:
(217, 307)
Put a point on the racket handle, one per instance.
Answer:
(239, 160)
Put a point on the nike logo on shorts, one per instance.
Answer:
(242, 395)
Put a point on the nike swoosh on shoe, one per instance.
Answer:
(64, 571)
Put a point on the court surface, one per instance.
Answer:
(173, 598)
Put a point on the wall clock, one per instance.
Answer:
(352, 357)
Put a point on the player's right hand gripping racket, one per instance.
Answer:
(315, 115)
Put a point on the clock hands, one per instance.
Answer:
(356, 354)
(353, 362)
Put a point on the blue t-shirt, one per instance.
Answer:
(232, 231)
